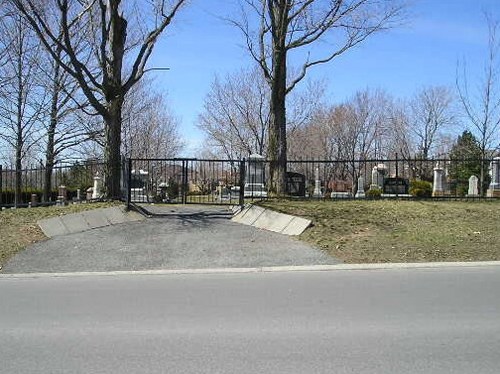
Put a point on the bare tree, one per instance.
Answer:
(67, 123)
(4, 45)
(107, 24)
(284, 26)
(312, 140)
(235, 117)
(398, 137)
(370, 125)
(369, 122)
(359, 124)
(150, 129)
(431, 117)
(4, 42)
(236, 114)
(21, 98)
(482, 106)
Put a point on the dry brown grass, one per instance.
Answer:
(401, 231)
(18, 227)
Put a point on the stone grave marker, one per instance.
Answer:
(437, 185)
(494, 188)
(473, 189)
(360, 193)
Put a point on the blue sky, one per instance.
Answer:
(423, 52)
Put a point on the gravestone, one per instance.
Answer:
(378, 174)
(62, 195)
(473, 190)
(96, 191)
(255, 177)
(342, 189)
(317, 184)
(437, 185)
(494, 188)
(162, 192)
(360, 193)
(295, 184)
(255, 170)
(396, 186)
(34, 199)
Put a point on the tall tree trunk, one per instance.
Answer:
(49, 163)
(112, 158)
(51, 132)
(277, 129)
(19, 135)
(114, 96)
(482, 176)
(19, 174)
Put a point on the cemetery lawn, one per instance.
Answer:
(18, 227)
(375, 231)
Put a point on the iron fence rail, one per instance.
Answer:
(239, 181)
(227, 181)
(343, 175)
(186, 181)
(36, 184)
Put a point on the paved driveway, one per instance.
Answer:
(190, 238)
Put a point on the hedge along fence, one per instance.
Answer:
(74, 177)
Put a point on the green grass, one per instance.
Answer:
(18, 227)
(400, 231)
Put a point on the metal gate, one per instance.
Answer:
(185, 181)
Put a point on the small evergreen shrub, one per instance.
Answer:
(420, 188)
(374, 193)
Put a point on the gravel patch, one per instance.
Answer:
(176, 241)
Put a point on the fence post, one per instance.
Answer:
(1, 185)
(397, 173)
(242, 182)
(129, 183)
(184, 182)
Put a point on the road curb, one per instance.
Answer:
(264, 269)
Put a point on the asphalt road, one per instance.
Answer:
(384, 321)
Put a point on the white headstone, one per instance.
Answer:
(495, 173)
(473, 190)
(96, 191)
(360, 193)
(437, 185)
(378, 173)
(494, 188)
(317, 184)
(374, 178)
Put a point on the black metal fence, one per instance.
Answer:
(186, 181)
(41, 186)
(239, 181)
(391, 177)
(203, 181)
